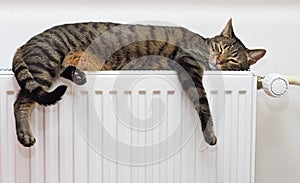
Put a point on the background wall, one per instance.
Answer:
(268, 24)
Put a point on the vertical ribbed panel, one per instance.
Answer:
(37, 155)
(66, 140)
(132, 127)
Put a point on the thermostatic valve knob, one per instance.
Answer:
(275, 85)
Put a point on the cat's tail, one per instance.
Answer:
(30, 87)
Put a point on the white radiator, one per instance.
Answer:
(133, 127)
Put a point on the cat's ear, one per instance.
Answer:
(228, 30)
(255, 55)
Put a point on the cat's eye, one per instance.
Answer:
(226, 46)
(234, 53)
(233, 61)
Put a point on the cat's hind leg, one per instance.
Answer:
(71, 66)
(74, 74)
(22, 110)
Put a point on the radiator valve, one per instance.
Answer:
(275, 85)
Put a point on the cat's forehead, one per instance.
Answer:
(234, 41)
(224, 39)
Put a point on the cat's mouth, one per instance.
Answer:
(215, 63)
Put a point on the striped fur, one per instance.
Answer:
(67, 50)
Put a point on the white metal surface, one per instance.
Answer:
(133, 126)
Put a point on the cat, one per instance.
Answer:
(67, 50)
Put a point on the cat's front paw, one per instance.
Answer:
(211, 140)
(25, 139)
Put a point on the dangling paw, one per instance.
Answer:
(26, 140)
(211, 139)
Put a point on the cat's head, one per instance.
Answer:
(229, 53)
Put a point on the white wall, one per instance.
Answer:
(275, 28)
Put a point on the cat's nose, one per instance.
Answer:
(219, 60)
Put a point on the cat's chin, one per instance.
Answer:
(213, 65)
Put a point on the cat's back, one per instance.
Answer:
(72, 36)
(141, 32)
(57, 42)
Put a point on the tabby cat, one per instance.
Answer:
(67, 50)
